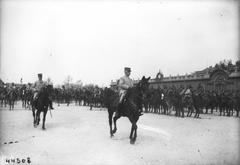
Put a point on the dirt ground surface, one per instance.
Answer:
(76, 135)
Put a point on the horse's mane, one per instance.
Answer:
(45, 92)
(135, 94)
(134, 91)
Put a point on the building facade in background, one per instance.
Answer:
(208, 79)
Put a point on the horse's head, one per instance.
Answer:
(49, 88)
(46, 90)
(144, 85)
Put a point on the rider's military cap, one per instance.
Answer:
(127, 69)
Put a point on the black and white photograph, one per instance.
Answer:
(119, 82)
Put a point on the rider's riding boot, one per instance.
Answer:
(51, 107)
(140, 112)
(119, 107)
(50, 104)
(35, 102)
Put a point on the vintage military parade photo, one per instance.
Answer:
(133, 82)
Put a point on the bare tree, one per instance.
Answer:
(49, 81)
(79, 83)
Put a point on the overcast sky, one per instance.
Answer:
(93, 41)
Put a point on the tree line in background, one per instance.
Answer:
(227, 65)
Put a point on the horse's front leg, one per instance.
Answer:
(38, 117)
(9, 103)
(33, 113)
(133, 134)
(197, 111)
(13, 104)
(44, 119)
(190, 110)
(182, 110)
(36, 114)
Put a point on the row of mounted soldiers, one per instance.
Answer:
(87, 96)
(8, 95)
(198, 101)
(168, 101)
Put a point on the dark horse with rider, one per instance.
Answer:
(127, 103)
(41, 100)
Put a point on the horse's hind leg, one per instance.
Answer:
(116, 117)
(110, 115)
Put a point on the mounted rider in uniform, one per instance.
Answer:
(186, 91)
(124, 84)
(37, 86)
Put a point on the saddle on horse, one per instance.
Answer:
(123, 101)
(36, 97)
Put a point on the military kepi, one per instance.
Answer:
(127, 69)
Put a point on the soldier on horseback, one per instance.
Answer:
(186, 92)
(125, 82)
(37, 86)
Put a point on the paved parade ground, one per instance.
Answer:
(76, 135)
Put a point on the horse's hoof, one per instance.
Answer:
(43, 128)
(114, 131)
(132, 141)
(111, 135)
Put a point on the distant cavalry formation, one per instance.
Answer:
(167, 101)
